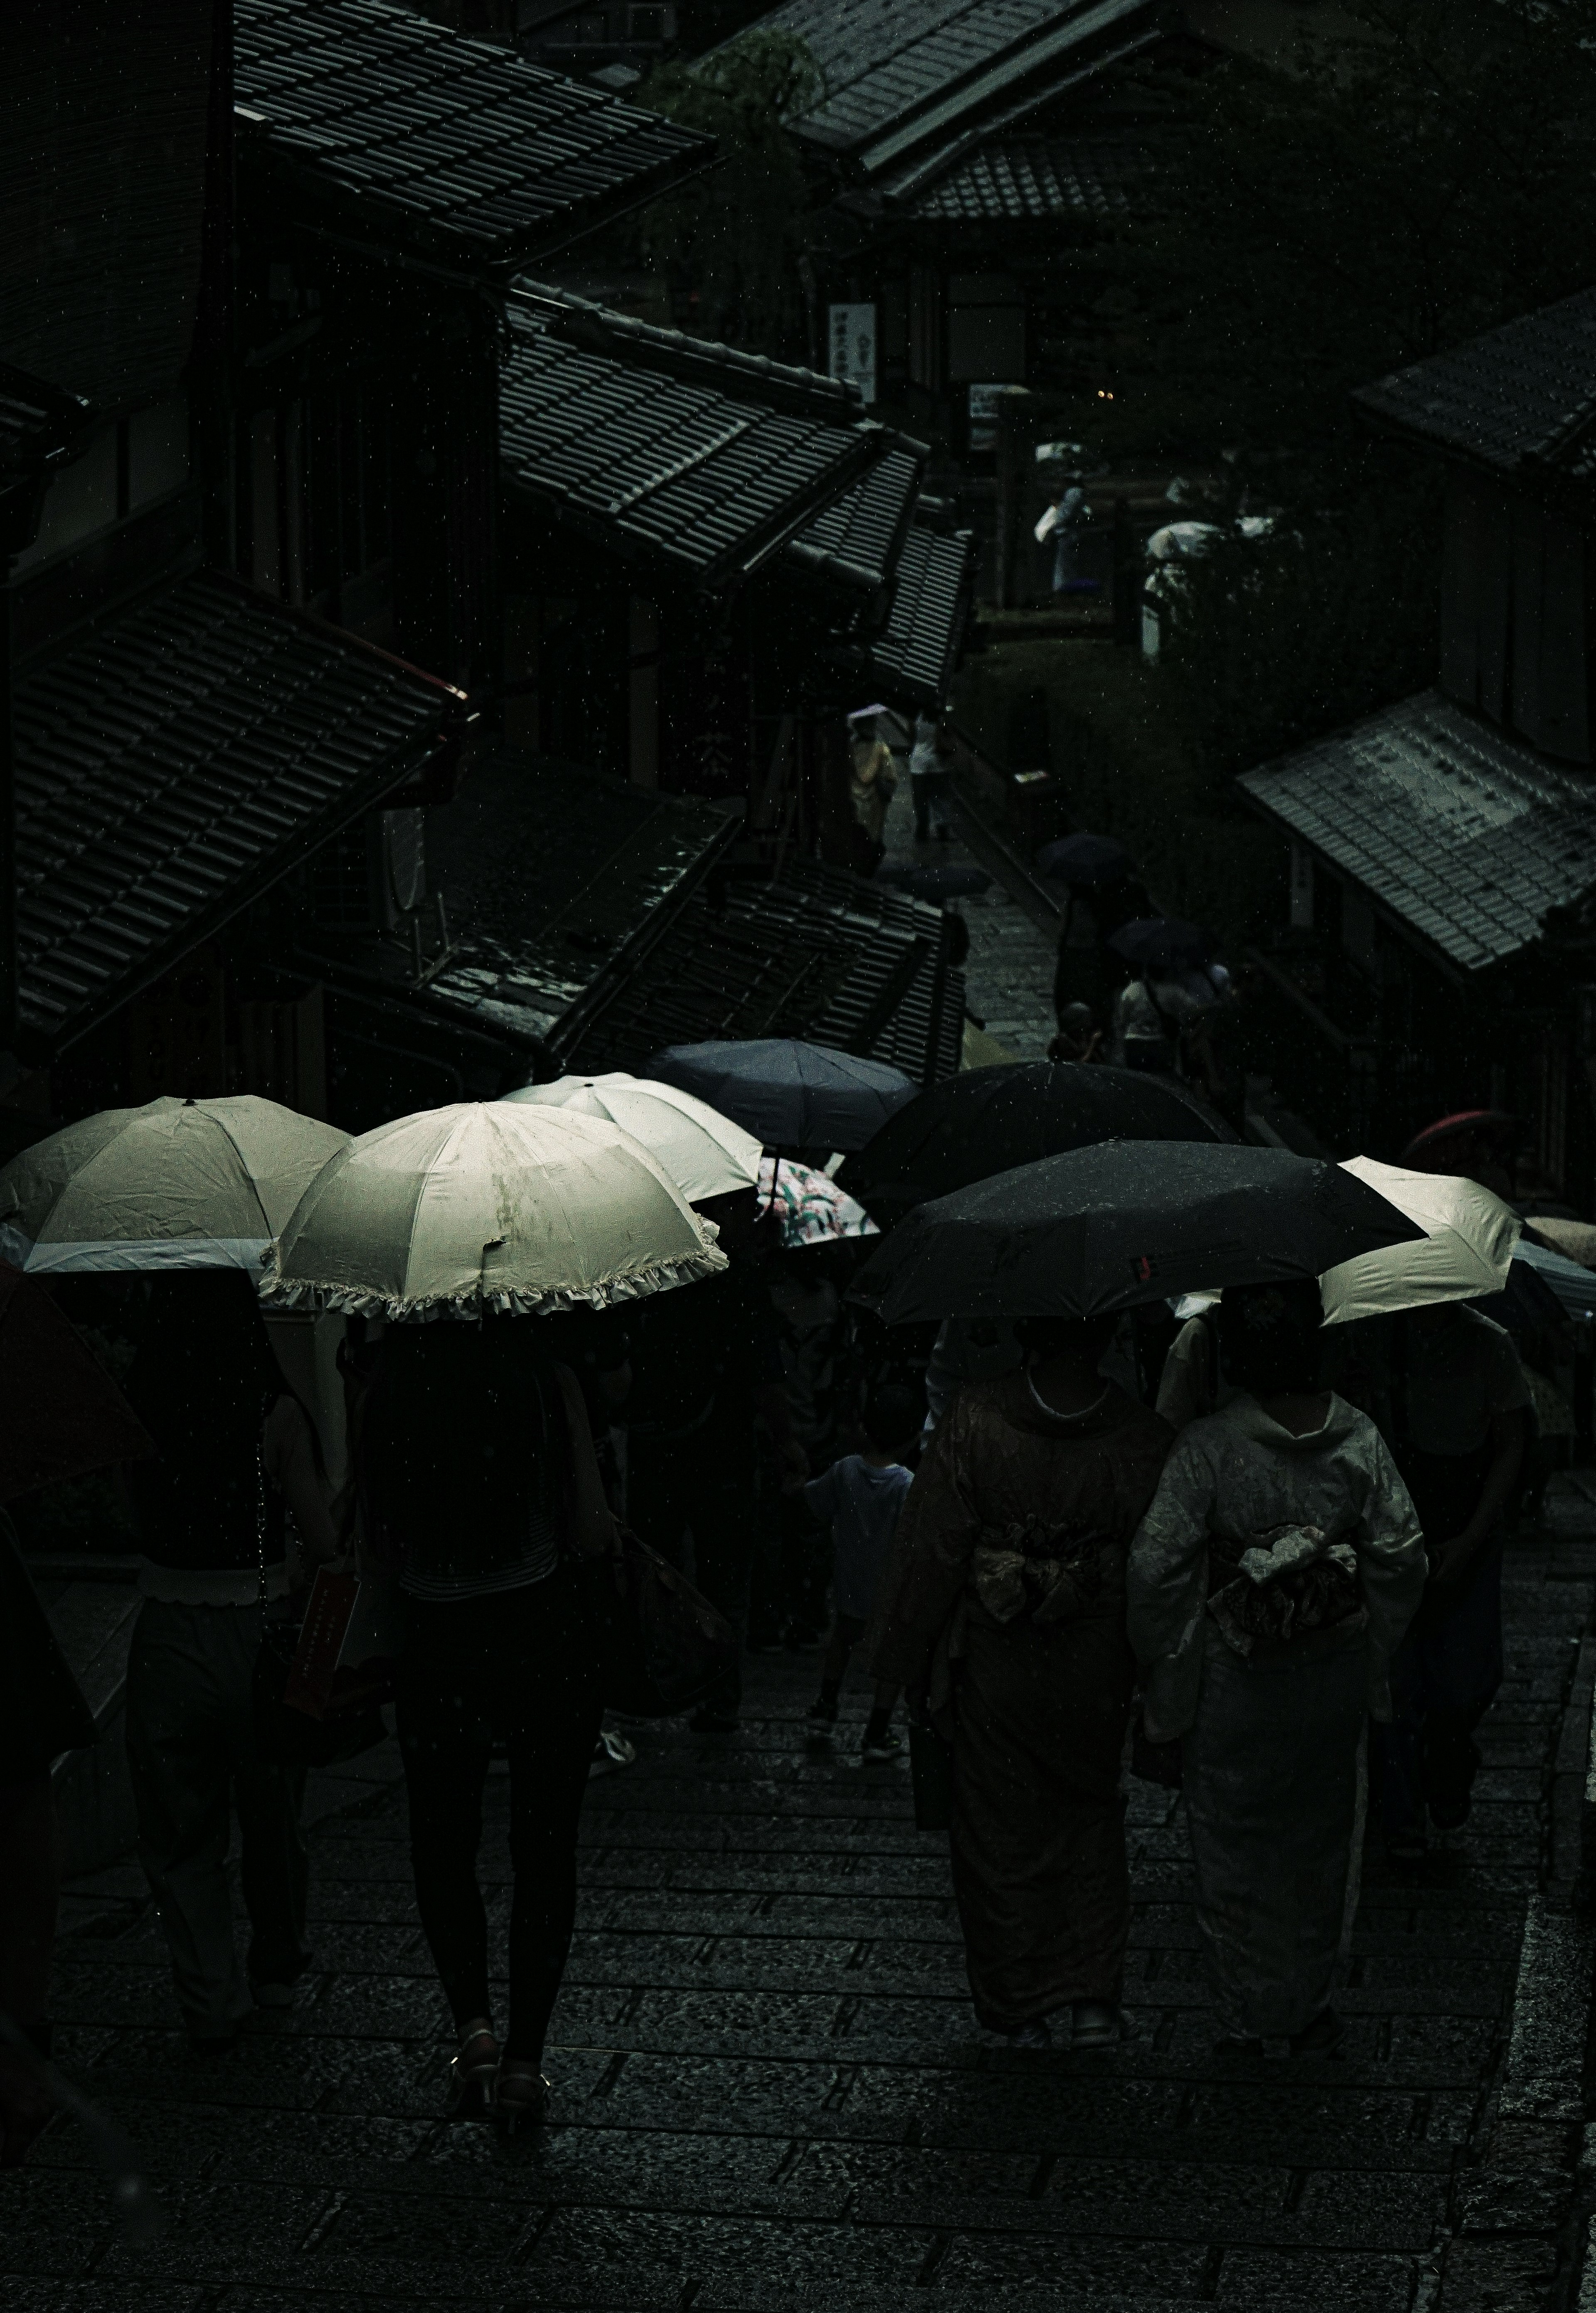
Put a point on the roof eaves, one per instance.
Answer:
(623, 337)
(1025, 62)
(919, 176)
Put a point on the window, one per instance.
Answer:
(648, 23)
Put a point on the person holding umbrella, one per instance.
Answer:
(189, 1195)
(1270, 1586)
(1001, 1602)
(1447, 1387)
(480, 1490)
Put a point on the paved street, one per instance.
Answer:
(1008, 977)
(769, 2091)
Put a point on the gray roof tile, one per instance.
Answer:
(1458, 828)
(1524, 391)
(884, 61)
(445, 144)
(1019, 177)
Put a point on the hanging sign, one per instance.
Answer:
(851, 348)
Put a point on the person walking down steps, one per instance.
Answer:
(862, 1496)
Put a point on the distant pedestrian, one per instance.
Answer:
(235, 1452)
(479, 1487)
(1001, 1613)
(930, 772)
(1072, 515)
(1079, 1037)
(1460, 1424)
(1269, 1585)
(860, 1497)
(706, 1367)
(872, 782)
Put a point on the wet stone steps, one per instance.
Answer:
(770, 2094)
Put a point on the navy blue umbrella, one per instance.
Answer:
(791, 1094)
(1084, 859)
(1161, 944)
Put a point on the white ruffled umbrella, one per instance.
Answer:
(175, 1184)
(703, 1151)
(1467, 1249)
(487, 1206)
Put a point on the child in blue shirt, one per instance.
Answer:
(862, 1496)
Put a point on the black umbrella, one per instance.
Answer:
(792, 1095)
(1084, 860)
(987, 1121)
(1126, 1222)
(1161, 944)
(936, 884)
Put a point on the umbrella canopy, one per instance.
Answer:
(175, 1184)
(1084, 860)
(937, 885)
(1161, 944)
(792, 1094)
(811, 1207)
(703, 1151)
(1526, 1303)
(1491, 1128)
(1121, 1223)
(1576, 1240)
(64, 1415)
(987, 1121)
(1569, 1280)
(1466, 1250)
(487, 1206)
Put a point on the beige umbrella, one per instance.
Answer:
(1466, 1250)
(703, 1151)
(175, 1184)
(489, 1205)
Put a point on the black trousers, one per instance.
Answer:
(705, 1483)
(522, 1666)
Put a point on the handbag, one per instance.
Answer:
(351, 1720)
(662, 1646)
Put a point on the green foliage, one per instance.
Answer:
(1406, 187)
(732, 239)
(1269, 641)
(1117, 738)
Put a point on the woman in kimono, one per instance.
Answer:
(1268, 1586)
(1001, 1613)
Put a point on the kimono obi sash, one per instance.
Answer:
(1037, 1571)
(1266, 1591)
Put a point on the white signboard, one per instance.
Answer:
(986, 402)
(851, 347)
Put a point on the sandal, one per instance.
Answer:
(521, 2095)
(473, 2071)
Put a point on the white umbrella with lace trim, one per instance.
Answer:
(174, 1185)
(487, 1206)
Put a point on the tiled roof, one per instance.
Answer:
(914, 655)
(551, 879)
(898, 71)
(857, 540)
(818, 952)
(412, 134)
(1021, 177)
(663, 451)
(1466, 835)
(173, 763)
(1525, 394)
